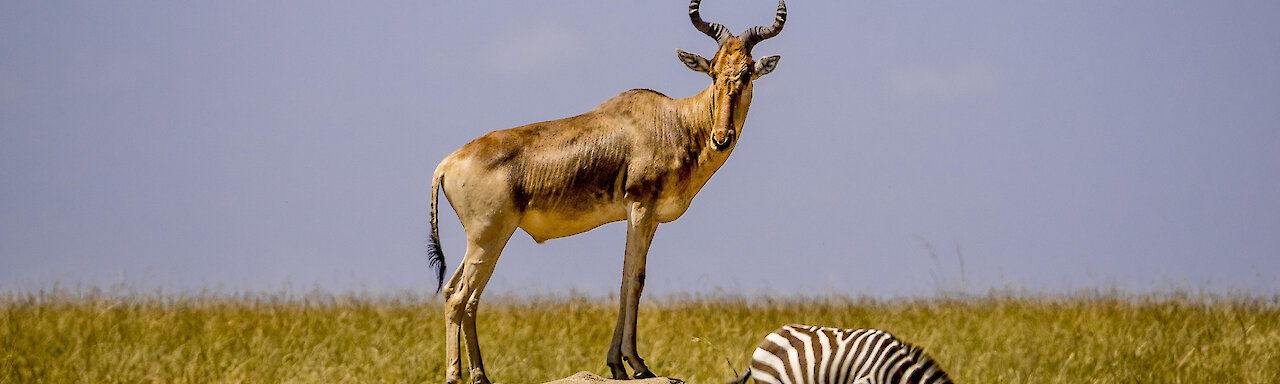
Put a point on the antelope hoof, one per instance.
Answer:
(645, 374)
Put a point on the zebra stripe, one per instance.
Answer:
(803, 354)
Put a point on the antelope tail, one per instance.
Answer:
(435, 255)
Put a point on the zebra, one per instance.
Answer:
(806, 354)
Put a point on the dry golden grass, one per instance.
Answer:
(998, 338)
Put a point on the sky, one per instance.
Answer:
(900, 148)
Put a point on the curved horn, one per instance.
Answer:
(759, 33)
(715, 30)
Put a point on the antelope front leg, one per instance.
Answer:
(640, 229)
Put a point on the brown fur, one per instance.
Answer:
(638, 146)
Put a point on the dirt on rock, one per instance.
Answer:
(585, 377)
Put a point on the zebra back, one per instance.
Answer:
(803, 354)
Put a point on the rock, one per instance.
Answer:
(585, 377)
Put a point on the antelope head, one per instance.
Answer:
(732, 70)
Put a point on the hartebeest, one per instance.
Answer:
(640, 156)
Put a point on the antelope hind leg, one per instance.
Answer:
(453, 333)
(484, 246)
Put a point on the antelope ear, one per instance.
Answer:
(694, 62)
(765, 65)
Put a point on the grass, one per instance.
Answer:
(101, 337)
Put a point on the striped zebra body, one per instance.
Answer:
(803, 354)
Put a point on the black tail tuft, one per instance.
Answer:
(435, 256)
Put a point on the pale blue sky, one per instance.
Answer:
(245, 145)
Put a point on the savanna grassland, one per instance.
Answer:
(100, 337)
